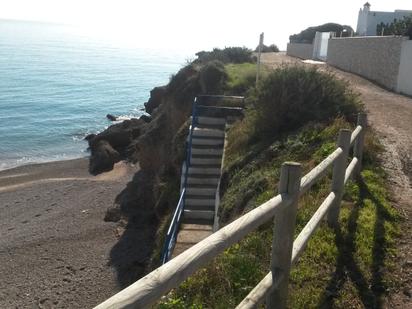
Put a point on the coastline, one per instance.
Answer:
(55, 246)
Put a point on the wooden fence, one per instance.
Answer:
(285, 251)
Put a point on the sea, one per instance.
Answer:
(57, 85)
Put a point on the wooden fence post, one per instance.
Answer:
(338, 178)
(358, 147)
(283, 234)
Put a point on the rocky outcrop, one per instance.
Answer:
(157, 142)
(109, 146)
(103, 157)
(156, 97)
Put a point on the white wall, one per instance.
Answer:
(300, 50)
(376, 58)
(405, 69)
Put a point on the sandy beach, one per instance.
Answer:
(54, 244)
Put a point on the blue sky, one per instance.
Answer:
(192, 24)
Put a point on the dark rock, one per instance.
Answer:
(103, 157)
(90, 137)
(111, 117)
(156, 98)
(119, 135)
(146, 118)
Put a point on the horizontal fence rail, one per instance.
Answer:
(285, 250)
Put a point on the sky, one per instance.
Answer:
(192, 24)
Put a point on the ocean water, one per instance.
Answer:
(56, 86)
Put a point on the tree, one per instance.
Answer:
(307, 35)
(397, 27)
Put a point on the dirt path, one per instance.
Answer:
(390, 115)
(54, 245)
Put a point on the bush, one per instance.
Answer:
(226, 55)
(268, 49)
(213, 77)
(307, 35)
(292, 96)
(398, 27)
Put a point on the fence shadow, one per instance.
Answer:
(347, 268)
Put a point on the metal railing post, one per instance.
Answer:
(338, 178)
(283, 234)
(358, 147)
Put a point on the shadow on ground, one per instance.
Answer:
(131, 254)
(370, 290)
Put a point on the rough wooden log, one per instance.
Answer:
(301, 241)
(350, 169)
(283, 233)
(317, 172)
(258, 294)
(358, 148)
(150, 288)
(355, 135)
(338, 177)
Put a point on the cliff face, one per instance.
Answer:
(156, 142)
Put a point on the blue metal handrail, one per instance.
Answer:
(174, 225)
(173, 230)
(171, 235)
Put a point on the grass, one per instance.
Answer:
(346, 267)
(349, 267)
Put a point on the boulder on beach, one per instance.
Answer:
(103, 157)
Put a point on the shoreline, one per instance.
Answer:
(12, 166)
(56, 249)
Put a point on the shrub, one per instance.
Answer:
(398, 27)
(226, 55)
(307, 35)
(292, 96)
(213, 77)
(268, 49)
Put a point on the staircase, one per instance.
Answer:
(203, 177)
(195, 216)
(204, 171)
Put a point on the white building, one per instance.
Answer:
(368, 20)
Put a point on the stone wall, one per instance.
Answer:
(405, 69)
(376, 58)
(300, 50)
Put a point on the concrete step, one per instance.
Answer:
(195, 160)
(191, 234)
(217, 151)
(201, 207)
(200, 191)
(204, 170)
(199, 202)
(218, 142)
(211, 120)
(198, 221)
(207, 132)
(202, 181)
(199, 214)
